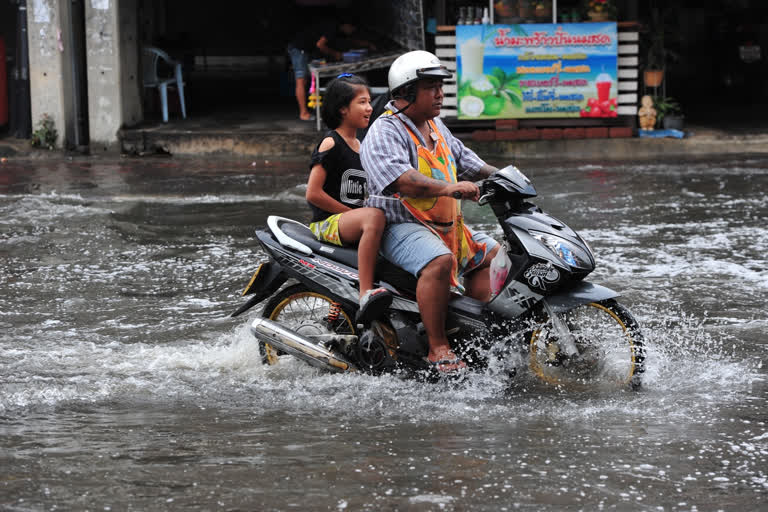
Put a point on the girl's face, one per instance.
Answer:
(358, 113)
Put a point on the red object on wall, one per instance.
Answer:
(3, 85)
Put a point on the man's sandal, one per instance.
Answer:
(438, 366)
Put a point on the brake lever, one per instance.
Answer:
(485, 198)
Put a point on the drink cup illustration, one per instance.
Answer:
(472, 59)
(603, 83)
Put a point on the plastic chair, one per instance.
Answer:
(152, 58)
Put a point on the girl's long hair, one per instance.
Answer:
(339, 94)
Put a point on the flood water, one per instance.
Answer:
(125, 386)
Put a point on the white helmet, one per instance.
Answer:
(413, 66)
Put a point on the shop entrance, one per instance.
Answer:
(14, 81)
(716, 67)
(235, 62)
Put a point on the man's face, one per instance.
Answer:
(429, 99)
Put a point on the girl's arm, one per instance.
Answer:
(315, 193)
(317, 196)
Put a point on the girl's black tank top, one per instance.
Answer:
(345, 179)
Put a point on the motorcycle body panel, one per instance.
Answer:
(580, 293)
(267, 280)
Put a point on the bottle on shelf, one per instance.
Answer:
(486, 19)
(462, 16)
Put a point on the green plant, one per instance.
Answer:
(492, 90)
(659, 34)
(45, 136)
(666, 106)
(507, 84)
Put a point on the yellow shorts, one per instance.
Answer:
(327, 230)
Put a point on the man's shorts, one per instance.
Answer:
(327, 230)
(299, 61)
(411, 246)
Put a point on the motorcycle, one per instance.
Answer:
(567, 331)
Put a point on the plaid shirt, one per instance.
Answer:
(388, 152)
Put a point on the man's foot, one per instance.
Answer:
(372, 304)
(307, 117)
(447, 365)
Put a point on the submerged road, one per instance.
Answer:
(125, 386)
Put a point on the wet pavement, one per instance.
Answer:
(125, 386)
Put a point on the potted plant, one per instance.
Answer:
(653, 74)
(657, 35)
(601, 10)
(669, 114)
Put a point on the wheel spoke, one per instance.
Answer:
(606, 349)
(305, 312)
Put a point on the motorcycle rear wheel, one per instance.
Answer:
(610, 350)
(306, 312)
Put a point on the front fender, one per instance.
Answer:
(581, 293)
(267, 279)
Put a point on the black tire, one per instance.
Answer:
(610, 348)
(306, 312)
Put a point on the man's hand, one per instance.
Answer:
(414, 184)
(487, 170)
(466, 189)
(322, 45)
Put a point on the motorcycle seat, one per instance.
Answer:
(385, 271)
(301, 233)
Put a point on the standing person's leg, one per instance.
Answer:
(301, 99)
(301, 74)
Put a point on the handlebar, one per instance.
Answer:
(485, 197)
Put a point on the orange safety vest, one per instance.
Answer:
(442, 215)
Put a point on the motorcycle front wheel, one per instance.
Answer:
(602, 348)
(307, 313)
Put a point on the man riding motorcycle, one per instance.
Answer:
(416, 171)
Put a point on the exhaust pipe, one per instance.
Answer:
(295, 344)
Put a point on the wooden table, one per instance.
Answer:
(337, 68)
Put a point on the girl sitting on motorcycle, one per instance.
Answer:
(337, 185)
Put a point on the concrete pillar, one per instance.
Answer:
(112, 56)
(48, 73)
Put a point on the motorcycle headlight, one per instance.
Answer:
(563, 249)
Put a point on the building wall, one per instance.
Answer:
(112, 62)
(46, 64)
(112, 67)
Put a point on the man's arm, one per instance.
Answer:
(414, 184)
(485, 171)
(322, 45)
(470, 166)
